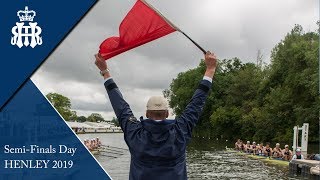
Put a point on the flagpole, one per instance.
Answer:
(174, 26)
(204, 51)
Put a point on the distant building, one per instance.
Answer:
(93, 127)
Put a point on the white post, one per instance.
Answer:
(304, 139)
(294, 144)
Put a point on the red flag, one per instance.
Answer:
(141, 25)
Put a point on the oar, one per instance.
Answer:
(106, 147)
(107, 155)
(112, 152)
(113, 147)
(109, 149)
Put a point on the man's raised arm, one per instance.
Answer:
(191, 114)
(120, 106)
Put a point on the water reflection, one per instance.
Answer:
(205, 160)
(227, 165)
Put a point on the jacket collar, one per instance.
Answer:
(157, 126)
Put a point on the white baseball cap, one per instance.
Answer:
(278, 144)
(157, 103)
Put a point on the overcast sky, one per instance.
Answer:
(229, 28)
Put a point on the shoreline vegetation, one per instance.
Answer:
(258, 101)
(63, 105)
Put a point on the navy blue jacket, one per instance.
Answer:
(158, 148)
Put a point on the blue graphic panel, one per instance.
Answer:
(36, 32)
(35, 143)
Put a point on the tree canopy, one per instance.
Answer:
(95, 117)
(256, 102)
(81, 119)
(62, 105)
(115, 122)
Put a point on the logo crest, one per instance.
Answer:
(28, 34)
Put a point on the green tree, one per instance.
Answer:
(224, 121)
(62, 105)
(81, 119)
(73, 116)
(255, 102)
(235, 88)
(291, 91)
(115, 121)
(95, 117)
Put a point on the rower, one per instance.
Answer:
(237, 145)
(261, 149)
(94, 144)
(277, 152)
(98, 142)
(248, 147)
(85, 142)
(89, 145)
(254, 148)
(241, 146)
(287, 154)
(267, 150)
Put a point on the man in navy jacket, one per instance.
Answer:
(158, 145)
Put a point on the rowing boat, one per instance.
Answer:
(108, 150)
(267, 160)
(95, 152)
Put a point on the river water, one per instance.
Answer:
(206, 159)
